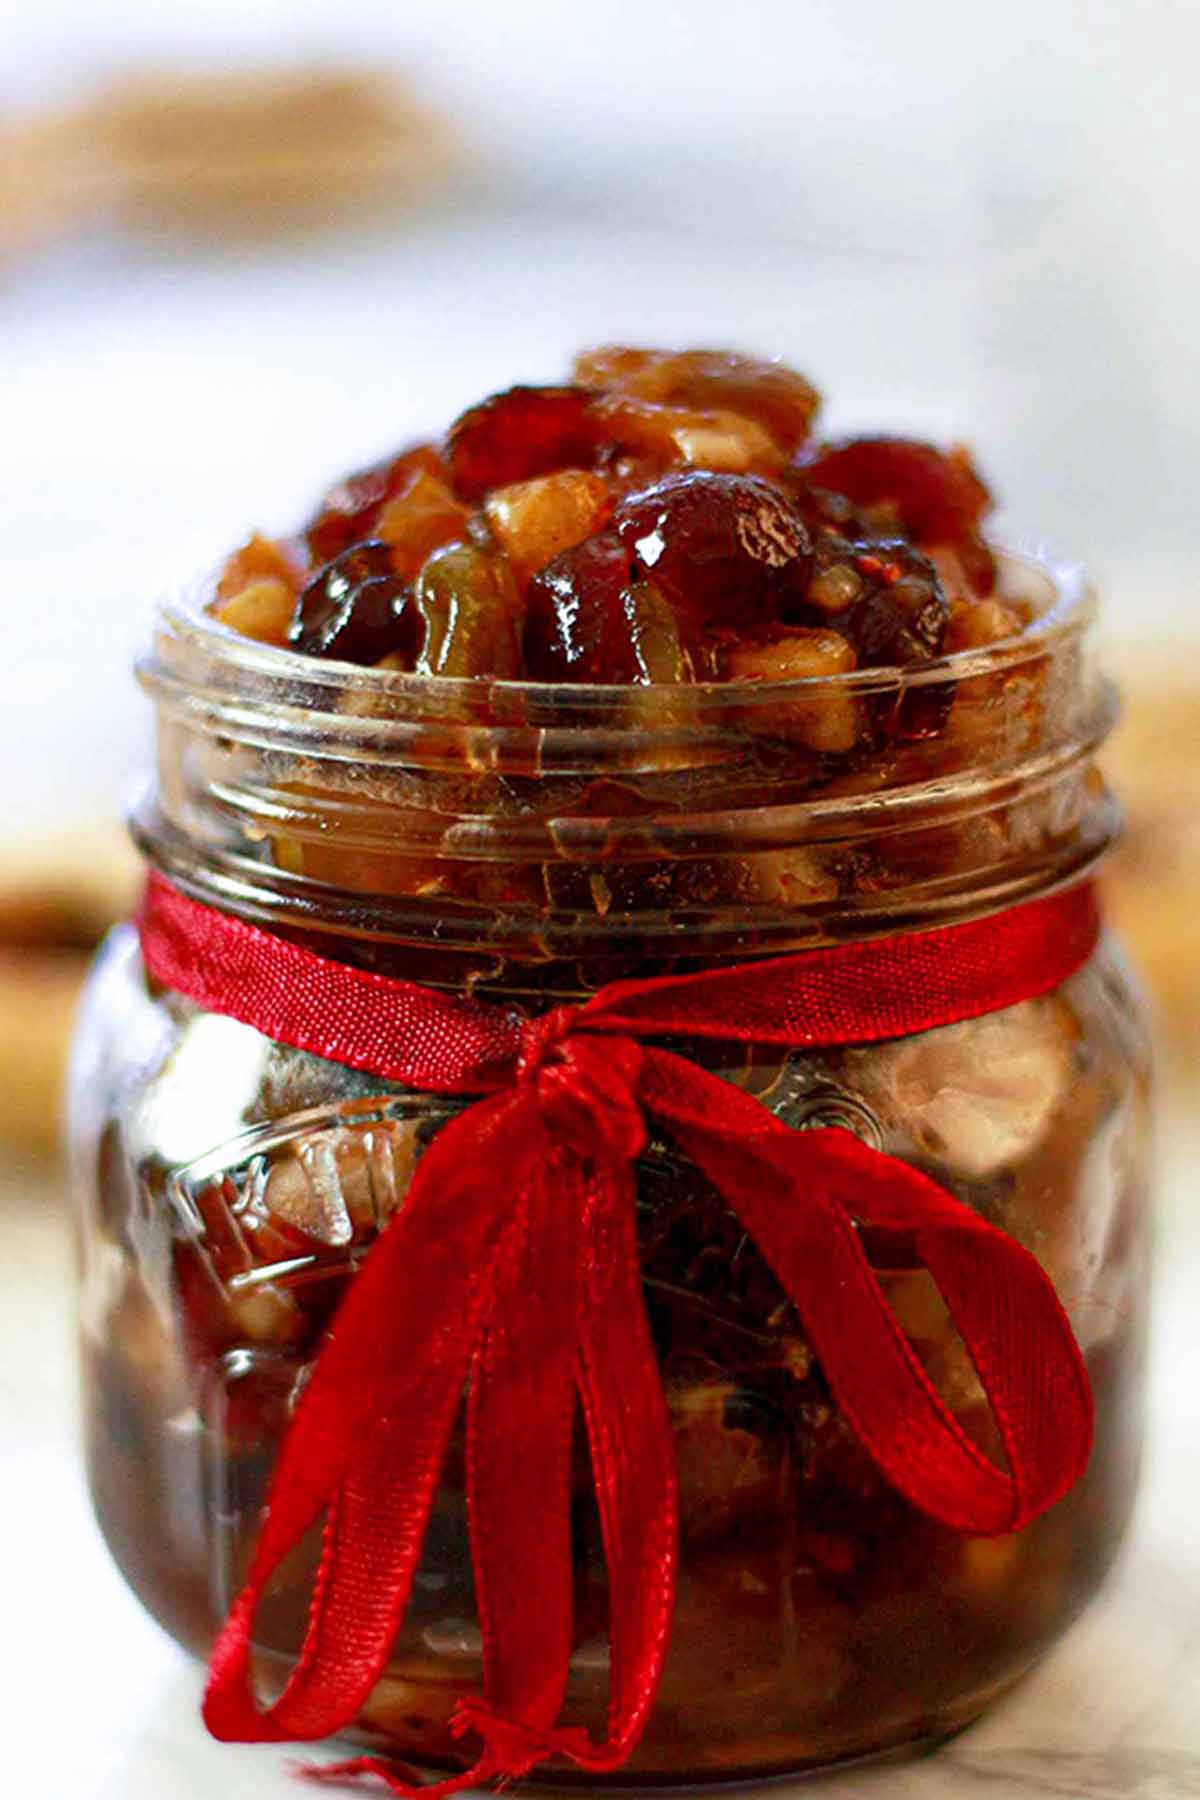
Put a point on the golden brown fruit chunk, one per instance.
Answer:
(776, 398)
(258, 559)
(262, 610)
(348, 511)
(666, 435)
(419, 520)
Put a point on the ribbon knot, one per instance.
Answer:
(513, 1270)
(542, 1039)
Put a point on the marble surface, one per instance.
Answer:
(100, 1705)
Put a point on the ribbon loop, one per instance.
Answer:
(512, 1270)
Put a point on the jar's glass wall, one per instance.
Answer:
(531, 843)
(232, 1185)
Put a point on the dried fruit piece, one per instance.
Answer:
(659, 653)
(467, 602)
(667, 435)
(726, 550)
(420, 519)
(774, 397)
(901, 616)
(939, 497)
(522, 432)
(261, 558)
(347, 513)
(576, 627)
(263, 610)
(535, 521)
(354, 609)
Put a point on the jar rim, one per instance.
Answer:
(643, 820)
(276, 679)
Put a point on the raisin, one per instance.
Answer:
(469, 609)
(347, 513)
(523, 432)
(940, 498)
(781, 402)
(355, 609)
(902, 613)
(577, 627)
(726, 550)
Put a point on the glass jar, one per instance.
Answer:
(531, 843)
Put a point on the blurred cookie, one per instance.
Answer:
(58, 897)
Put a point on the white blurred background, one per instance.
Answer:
(967, 222)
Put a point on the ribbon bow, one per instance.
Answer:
(512, 1270)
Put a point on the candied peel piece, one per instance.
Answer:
(523, 432)
(260, 559)
(262, 610)
(659, 653)
(348, 511)
(535, 521)
(421, 518)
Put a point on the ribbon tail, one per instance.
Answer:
(799, 1195)
(369, 1436)
(519, 1466)
(633, 1460)
(519, 1425)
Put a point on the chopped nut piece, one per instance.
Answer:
(827, 720)
(536, 520)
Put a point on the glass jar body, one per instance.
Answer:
(229, 1187)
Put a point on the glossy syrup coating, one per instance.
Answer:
(642, 524)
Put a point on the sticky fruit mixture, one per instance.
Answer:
(664, 518)
(672, 528)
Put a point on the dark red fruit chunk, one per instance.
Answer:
(940, 498)
(523, 432)
(355, 609)
(348, 511)
(576, 623)
(726, 550)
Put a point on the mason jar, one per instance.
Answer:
(528, 844)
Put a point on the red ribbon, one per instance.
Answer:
(513, 1266)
